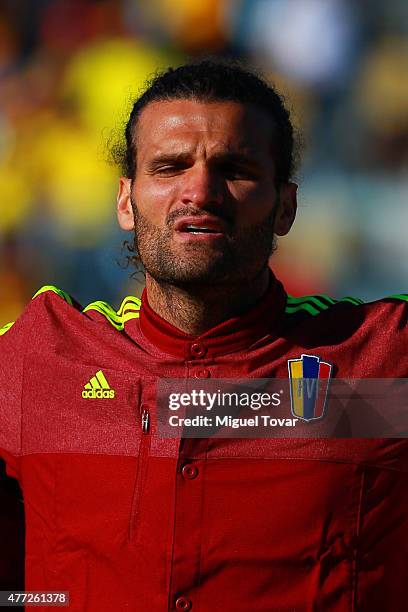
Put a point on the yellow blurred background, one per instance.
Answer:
(70, 69)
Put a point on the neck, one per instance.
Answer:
(198, 309)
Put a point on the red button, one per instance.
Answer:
(198, 350)
(203, 373)
(182, 603)
(189, 471)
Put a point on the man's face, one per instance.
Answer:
(204, 201)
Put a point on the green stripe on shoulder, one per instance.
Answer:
(312, 304)
(320, 300)
(315, 304)
(352, 300)
(403, 297)
(305, 307)
(129, 309)
(6, 327)
(63, 294)
(130, 303)
(107, 311)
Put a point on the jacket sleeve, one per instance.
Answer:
(12, 343)
(12, 525)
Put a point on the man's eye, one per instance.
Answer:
(238, 173)
(168, 170)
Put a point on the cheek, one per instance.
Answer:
(253, 202)
(153, 199)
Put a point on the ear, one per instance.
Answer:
(124, 205)
(287, 206)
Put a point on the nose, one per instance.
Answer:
(202, 187)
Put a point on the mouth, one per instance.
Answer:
(197, 226)
(191, 229)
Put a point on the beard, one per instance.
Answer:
(240, 255)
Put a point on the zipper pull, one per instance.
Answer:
(145, 421)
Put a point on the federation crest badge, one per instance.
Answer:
(309, 380)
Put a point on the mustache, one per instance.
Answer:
(189, 211)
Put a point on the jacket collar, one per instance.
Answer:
(235, 334)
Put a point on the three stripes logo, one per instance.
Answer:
(309, 384)
(98, 387)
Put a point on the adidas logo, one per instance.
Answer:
(98, 387)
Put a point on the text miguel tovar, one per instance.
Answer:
(228, 421)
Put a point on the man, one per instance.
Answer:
(125, 519)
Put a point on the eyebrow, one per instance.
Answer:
(221, 157)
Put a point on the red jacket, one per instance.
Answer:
(126, 520)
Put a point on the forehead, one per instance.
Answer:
(183, 124)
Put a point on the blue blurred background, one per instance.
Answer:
(69, 70)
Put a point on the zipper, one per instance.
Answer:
(145, 421)
(140, 474)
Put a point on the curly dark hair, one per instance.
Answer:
(212, 80)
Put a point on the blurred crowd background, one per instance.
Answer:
(69, 70)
